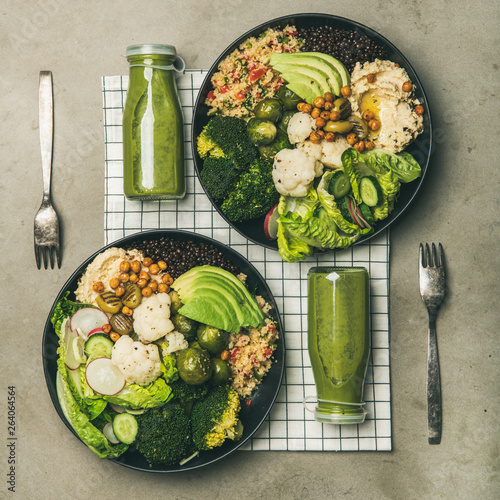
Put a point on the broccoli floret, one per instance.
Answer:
(218, 176)
(215, 418)
(226, 136)
(164, 435)
(253, 195)
(185, 392)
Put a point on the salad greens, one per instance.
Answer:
(319, 220)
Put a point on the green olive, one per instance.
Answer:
(109, 302)
(212, 339)
(121, 323)
(133, 296)
(340, 127)
(342, 106)
(221, 372)
(360, 128)
(185, 326)
(194, 365)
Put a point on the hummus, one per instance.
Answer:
(104, 267)
(391, 106)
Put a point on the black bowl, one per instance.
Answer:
(262, 400)
(421, 148)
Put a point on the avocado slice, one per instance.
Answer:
(344, 74)
(310, 60)
(308, 71)
(304, 86)
(206, 311)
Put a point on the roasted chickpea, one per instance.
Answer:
(307, 108)
(162, 265)
(329, 97)
(321, 133)
(133, 278)
(346, 91)
(119, 291)
(127, 311)
(325, 115)
(300, 106)
(144, 275)
(124, 277)
(141, 283)
(224, 355)
(114, 336)
(315, 138)
(419, 110)
(319, 102)
(106, 328)
(334, 116)
(371, 77)
(114, 282)
(320, 122)
(330, 137)
(369, 145)
(124, 266)
(407, 86)
(153, 285)
(98, 287)
(315, 112)
(352, 138)
(368, 115)
(147, 262)
(135, 265)
(359, 146)
(154, 269)
(328, 105)
(147, 292)
(167, 279)
(374, 124)
(163, 288)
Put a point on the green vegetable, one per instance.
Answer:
(214, 340)
(194, 365)
(339, 184)
(164, 435)
(218, 176)
(215, 418)
(186, 393)
(254, 194)
(288, 98)
(226, 136)
(125, 427)
(109, 302)
(283, 124)
(98, 346)
(402, 165)
(370, 190)
(175, 302)
(62, 310)
(268, 109)
(186, 326)
(261, 132)
(221, 372)
(268, 152)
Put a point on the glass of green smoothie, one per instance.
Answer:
(338, 339)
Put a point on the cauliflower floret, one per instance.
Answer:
(152, 318)
(139, 363)
(332, 152)
(293, 172)
(176, 342)
(313, 151)
(300, 127)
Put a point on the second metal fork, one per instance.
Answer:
(432, 290)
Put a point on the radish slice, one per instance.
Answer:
(88, 319)
(271, 223)
(104, 377)
(79, 349)
(117, 408)
(354, 213)
(107, 430)
(69, 338)
(96, 330)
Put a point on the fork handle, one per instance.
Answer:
(434, 407)
(46, 124)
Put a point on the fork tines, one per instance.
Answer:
(431, 260)
(46, 254)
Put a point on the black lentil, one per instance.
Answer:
(181, 256)
(348, 46)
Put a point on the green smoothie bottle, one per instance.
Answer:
(338, 336)
(153, 129)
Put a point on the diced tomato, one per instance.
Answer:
(255, 74)
(240, 96)
(248, 401)
(271, 328)
(211, 95)
(234, 352)
(224, 89)
(267, 352)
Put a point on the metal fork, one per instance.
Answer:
(432, 290)
(46, 220)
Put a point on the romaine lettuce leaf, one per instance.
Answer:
(390, 187)
(64, 308)
(403, 165)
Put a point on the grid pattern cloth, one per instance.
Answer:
(290, 425)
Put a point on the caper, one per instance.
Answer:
(133, 296)
(121, 323)
(360, 128)
(343, 106)
(340, 127)
(109, 302)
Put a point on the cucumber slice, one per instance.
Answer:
(99, 346)
(367, 213)
(370, 191)
(339, 185)
(344, 209)
(125, 427)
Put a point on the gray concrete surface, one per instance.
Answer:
(453, 46)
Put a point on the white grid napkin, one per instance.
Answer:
(289, 426)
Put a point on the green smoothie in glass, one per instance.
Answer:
(338, 337)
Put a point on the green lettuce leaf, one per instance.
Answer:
(390, 187)
(64, 308)
(169, 368)
(137, 397)
(403, 165)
